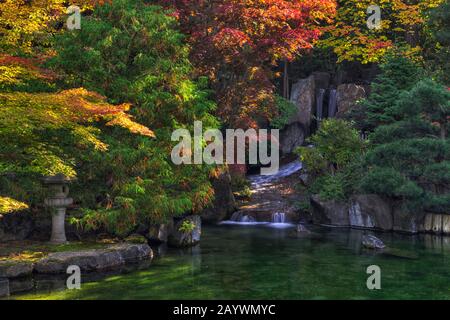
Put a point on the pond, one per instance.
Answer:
(262, 262)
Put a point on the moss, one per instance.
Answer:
(137, 239)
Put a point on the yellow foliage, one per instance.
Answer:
(25, 23)
(8, 205)
(351, 39)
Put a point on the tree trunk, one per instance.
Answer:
(286, 80)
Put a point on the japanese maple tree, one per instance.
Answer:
(237, 44)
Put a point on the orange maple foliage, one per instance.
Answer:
(78, 104)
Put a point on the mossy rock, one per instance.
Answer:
(136, 238)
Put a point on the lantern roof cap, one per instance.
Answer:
(57, 179)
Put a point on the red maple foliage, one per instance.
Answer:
(237, 43)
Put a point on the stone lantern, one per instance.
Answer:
(59, 201)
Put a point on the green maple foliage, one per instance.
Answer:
(131, 52)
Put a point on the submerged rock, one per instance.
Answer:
(96, 259)
(372, 242)
(399, 253)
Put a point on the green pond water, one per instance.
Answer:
(259, 262)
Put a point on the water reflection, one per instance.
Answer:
(236, 262)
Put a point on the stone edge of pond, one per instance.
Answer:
(109, 258)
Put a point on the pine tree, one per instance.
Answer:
(397, 75)
(410, 157)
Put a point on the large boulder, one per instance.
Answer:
(347, 95)
(224, 203)
(15, 226)
(291, 137)
(180, 238)
(159, 233)
(329, 212)
(370, 211)
(111, 257)
(303, 97)
(12, 269)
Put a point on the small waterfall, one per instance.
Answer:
(332, 104)
(319, 99)
(248, 219)
(279, 217)
(238, 216)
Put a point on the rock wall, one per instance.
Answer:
(303, 96)
(374, 212)
(224, 203)
(331, 212)
(370, 211)
(436, 223)
(292, 137)
(347, 97)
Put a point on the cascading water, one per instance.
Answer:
(319, 108)
(240, 218)
(236, 216)
(332, 103)
(260, 183)
(248, 219)
(279, 217)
